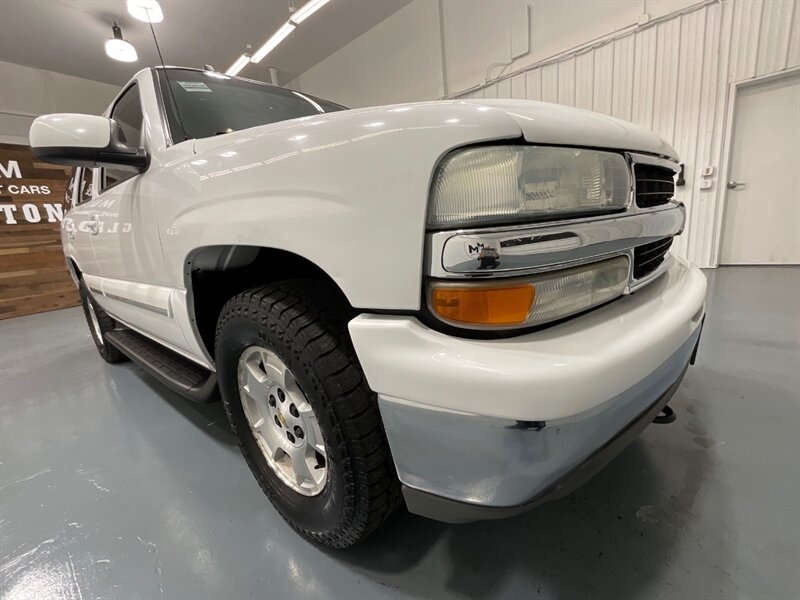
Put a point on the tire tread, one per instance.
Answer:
(309, 320)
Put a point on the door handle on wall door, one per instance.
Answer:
(732, 185)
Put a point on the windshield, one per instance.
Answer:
(211, 103)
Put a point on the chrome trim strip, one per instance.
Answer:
(94, 288)
(647, 159)
(522, 250)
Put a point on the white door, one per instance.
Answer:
(761, 224)
(126, 241)
(80, 222)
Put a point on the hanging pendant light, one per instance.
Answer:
(148, 11)
(119, 48)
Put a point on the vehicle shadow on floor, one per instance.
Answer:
(609, 539)
(208, 417)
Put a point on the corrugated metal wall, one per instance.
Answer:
(673, 77)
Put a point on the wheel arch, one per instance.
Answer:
(214, 274)
(74, 271)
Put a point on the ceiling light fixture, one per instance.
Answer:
(237, 66)
(120, 49)
(308, 9)
(305, 11)
(148, 11)
(272, 42)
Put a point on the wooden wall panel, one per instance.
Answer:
(33, 274)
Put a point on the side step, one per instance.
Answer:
(173, 370)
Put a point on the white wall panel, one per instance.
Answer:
(665, 96)
(793, 54)
(550, 83)
(687, 111)
(398, 60)
(26, 93)
(644, 76)
(603, 78)
(622, 77)
(774, 44)
(744, 39)
(566, 82)
(534, 84)
(504, 89)
(518, 87)
(584, 80)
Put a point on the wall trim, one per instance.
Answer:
(584, 48)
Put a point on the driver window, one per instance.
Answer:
(127, 112)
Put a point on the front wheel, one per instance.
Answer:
(306, 421)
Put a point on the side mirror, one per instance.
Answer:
(85, 141)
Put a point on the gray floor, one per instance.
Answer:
(114, 487)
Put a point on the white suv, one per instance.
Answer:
(468, 305)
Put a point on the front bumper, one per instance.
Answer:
(498, 426)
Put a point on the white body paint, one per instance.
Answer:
(348, 191)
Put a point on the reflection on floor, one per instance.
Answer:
(114, 487)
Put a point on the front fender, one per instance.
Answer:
(347, 191)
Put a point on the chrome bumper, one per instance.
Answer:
(460, 468)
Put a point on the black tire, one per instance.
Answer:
(306, 326)
(105, 324)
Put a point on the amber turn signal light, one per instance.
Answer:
(484, 305)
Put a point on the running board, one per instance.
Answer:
(173, 370)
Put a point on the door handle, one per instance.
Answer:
(94, 224)
(732, 185)
(70, 228)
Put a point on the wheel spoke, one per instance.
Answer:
(274, 368)
(254, 380)
(302, 472)
(291, 387)
(310, 427)
(273, 439)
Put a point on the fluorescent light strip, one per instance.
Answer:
(305, 11)
(272, 42)
(308, 9)
(237, 66)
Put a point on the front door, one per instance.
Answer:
(127, 244)
(761, 224)
(80, 222)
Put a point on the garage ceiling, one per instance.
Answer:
(67, 36)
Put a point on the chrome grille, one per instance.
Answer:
(647, 257)
(654, 185)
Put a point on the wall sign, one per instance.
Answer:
(33, 274)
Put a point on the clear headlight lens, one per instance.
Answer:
(499, 184)
(528, 301)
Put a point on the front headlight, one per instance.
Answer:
(501, 184)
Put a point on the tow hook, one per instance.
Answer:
(667, 415)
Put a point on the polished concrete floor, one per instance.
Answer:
(113, 487)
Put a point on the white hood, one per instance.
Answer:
(546, 123)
